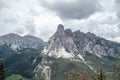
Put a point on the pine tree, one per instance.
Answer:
(1, 71)
(118, 71)
(100, 75)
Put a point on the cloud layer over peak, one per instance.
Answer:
(76, 9)
(41, 17)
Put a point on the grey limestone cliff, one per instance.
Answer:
(65, 43)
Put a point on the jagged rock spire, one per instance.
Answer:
(68, 32)
(66, 44)
(60, 28)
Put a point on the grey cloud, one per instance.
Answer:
(30, 27)
(118, 8)
(76, 9)
(118, 1)
(103, 25)
(27, 28)
(119, 26)
(19, 30)
(118, 14)
(20, 16)
(16, 16)
(1, 5)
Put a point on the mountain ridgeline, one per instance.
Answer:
(17, 42)
(32, 59)
(67, 44)
(85, 52)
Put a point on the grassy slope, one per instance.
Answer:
(107, 65)
(60, 66)
(15, 77)
(22, 63)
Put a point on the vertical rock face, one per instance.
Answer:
(67, 44)
(43, 70)
(61, 44)
(60, 28)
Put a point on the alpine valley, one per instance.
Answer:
(30, 58)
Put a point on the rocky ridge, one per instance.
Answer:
(17, 42)
(67, 44)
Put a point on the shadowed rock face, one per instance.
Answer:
(17, 42)
(60, 28)
(68, 32)
(77, 42)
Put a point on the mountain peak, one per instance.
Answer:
(60, 27)
(68, 32)
(11, 35)
(17, 42)
(66, 44)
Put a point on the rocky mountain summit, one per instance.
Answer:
(67, 44)
(17, 42)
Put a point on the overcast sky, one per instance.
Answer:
(41, 17)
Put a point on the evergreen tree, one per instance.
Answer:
(100, 75)
(1, 71)
(118, 72)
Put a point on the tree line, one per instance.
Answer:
(99, 75)
(2, 77)
(76, 75)
(73, 74)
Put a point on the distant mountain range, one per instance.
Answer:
(17, 42)
(32, 58)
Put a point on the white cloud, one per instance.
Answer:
(46, 24)
(103, 24)
(27, 17)
(117, 39)
(31, 17)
